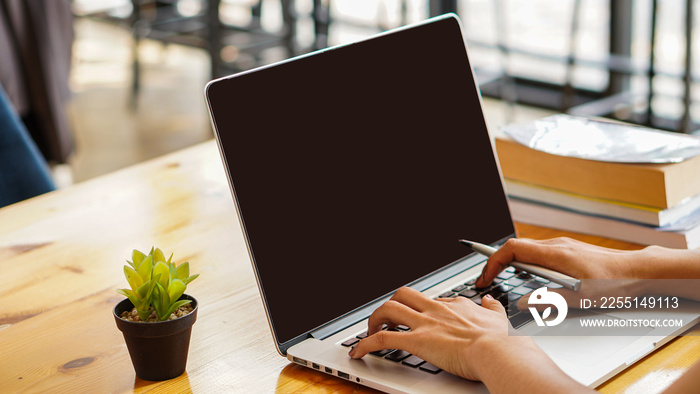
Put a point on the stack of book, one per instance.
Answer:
(651, 204)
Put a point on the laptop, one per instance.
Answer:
(355, 170)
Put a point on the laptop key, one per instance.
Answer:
(413, 361)
(522, 290)
(365, 334)
(471, 282)
(520, 319)
(512, 310)
(524, 275)
(533, 284)
(495, 293)
(428, 367)
(505, 275)
(512, 297)
(515, 282)
(398, 355)
(502, 288)
(382, 353)
(351, 342)
(502, 300)
(469, 293)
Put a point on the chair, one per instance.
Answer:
(162, 20)
(23, 170)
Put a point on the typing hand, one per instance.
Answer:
(452, 334)
(574, 258)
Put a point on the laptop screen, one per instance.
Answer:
(357, 169)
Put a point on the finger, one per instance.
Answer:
(413, 299)
(458, 303)
(491, 269)
(523, 302)
(516, 249)
(380, 341)
(392, 313)
(449, 299)
(558, 254)
(498, 261)
(490, 303)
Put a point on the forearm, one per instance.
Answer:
(518, 365)
(662, 269)
(656, 262)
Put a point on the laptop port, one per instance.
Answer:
(300, 361)
(344, 375)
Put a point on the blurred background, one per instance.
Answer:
(129, 74)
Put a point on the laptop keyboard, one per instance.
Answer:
(507, 288)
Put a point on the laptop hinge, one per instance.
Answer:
(343, 322)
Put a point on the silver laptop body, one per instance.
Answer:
(355, 170)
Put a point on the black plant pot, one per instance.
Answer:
(158, 350)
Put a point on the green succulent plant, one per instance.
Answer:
(156, 284)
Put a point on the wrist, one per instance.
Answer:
(528, 368)
(496, 355)
(657, 262)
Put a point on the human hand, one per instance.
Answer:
(574, 258)
(585, 261)
(452, 334)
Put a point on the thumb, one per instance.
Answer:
(489, 302)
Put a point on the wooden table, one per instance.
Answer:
(61, 258)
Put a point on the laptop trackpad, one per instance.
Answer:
(570, 341)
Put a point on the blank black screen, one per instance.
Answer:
(357, 169)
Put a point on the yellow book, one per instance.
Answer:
(654, 185)
(603, 207)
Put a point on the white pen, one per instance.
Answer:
(556, 277)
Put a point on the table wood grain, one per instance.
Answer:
(61, 259)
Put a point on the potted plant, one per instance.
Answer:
(157, 316)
